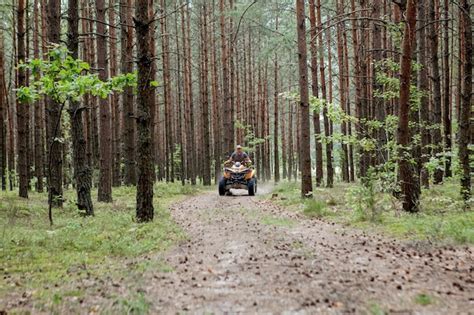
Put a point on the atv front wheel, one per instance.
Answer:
(222, 191)
(252, 186)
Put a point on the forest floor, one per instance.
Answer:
(252, 255)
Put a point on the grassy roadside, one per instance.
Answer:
(441, 219)
(39, 259)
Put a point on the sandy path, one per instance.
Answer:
(245, 255)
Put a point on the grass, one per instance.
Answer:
(276, 221)
(35, 255)
(441, 217)
(423, 299)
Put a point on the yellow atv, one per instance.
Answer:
(238, 176)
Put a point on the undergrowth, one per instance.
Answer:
(34, 254)
(441, 218)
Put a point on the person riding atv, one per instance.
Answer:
(238, 174)
(238, 156)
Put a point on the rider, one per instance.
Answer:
(239, 156)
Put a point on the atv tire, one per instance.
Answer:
(222, 190)
(252, 186)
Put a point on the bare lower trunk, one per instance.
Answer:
(144, 209)
(407, 173)
(304, 152)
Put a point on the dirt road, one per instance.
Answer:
(246, 255)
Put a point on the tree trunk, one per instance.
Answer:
(3, 111)
(206, 167)
(167, 96)
(22, 109)
(436, 88)
(144, 210)
(465, 123)
(105, 130)
(407, 179)
(128, 113)
(114, 99)
(423, 85)
(447, 93)
(314, 89)
(82, 171)
(55, 161)
(190, 107)
(304, 151)
(38, 109)
(276, 119)
(228, 121)
(342, 93)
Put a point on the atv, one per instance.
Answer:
(238, 176)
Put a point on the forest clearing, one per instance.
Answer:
(236, 157)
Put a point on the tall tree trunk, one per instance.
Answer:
(55, 160)
(228, 121)
(3, 115)
(436, 88)
(423, 85)
(192, 150)
(348, 109)
(407, 178)
(82, 171)
(276, 119)
(22, 109)
(216, 108)
(314, 90)
(465, 118)
(327, 131)
(304, 151)
(167, 95)
(128, 113)
(447, 93)
(342, 93)
(114, 99)
(38, 109)
(378, 102)
(206, 167)
(144, 210)
(105, 130)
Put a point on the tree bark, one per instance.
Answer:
(447, 93)
(105, 130)
(128, 113)
(436, 88)
(407, 179)
(114, 99)
(304, 151)
(82, 171)
(314, 88)
(465, 118)
(22, 109)
(206, 167)
(55, 161)
(38, 108)
(144, 210)
(228, 121)
(3, 115)
(423, 85)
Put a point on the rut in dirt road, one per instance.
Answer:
(246, 255)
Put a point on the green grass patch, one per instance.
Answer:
(423, 299)
(441, 217)
(276, 221)
(37, 255)
(315, 208)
